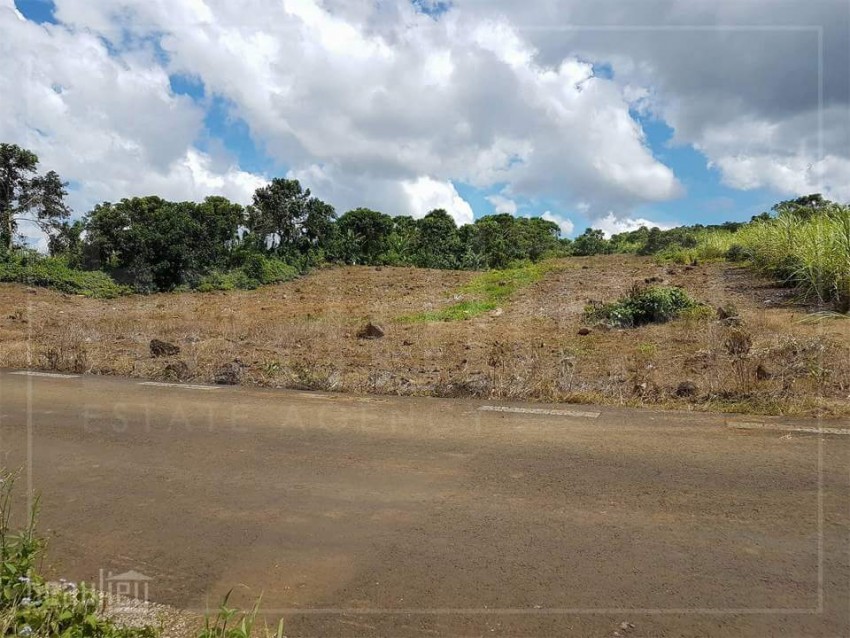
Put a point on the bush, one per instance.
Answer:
(257, 271)
(643, 305)
(53, 272)
(267, 270)
(30, 606)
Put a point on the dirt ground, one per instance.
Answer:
(303, 334)
(363, 517)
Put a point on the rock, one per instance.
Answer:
(687, 389)
(762, 373)
(726, 311)
(689, 268)
(626, 626)
(672, 271)
(177, 370)
(584, 331)
(161, 348)
(370, 331)
(229, 374)
(498, 312)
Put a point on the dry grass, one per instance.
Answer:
(302, 334)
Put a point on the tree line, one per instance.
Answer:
(150, 244)
(153, 244)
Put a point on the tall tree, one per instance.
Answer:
(278, 213)
(158, 245)
(363, 235)
(438, 242)
(26, 196)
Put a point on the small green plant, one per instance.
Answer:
(643, 305)
(30, 606)
(230, 623)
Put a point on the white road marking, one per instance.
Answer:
(501, 408)
(778, 427)
(186, 386)
(52, 375)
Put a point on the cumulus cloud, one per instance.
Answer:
(737, 80)
(414, 197)
(610, 224)
(384, 92)
(425, 194)
(502, 204)
(565, 225)
(388, 105)
(109, 124)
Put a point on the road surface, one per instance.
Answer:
(359, 516)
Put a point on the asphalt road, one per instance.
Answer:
(358, 516)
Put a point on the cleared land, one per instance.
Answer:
(526, 346)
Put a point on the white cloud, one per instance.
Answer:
(502, 204)
(565, 225)
(384, 93)
(612, 225)
(110, 125)
(738, 80)
(416, 197)
(396, 106)
(425, 194)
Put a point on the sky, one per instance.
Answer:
(604, 113)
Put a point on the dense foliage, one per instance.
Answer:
(148, 244)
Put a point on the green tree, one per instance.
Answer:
(67, 241)
(537, 237)
(158, 245)
(402, 241)
(277, 214)
(317, 229)
(437, 243)
(591, 242)
(363, 236)
(26, 196)
(803, 207)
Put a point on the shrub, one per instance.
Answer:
(53, 272)
(267, 270)
(644, 305)
(30, 606)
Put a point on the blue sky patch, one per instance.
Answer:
(39, 11)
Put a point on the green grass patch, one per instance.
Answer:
(54, 272)
(485, 292)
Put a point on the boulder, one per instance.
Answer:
(370, 331)
(229, 374)
(584, 331)
(161, 348)
(762, 373)
(177, 370)
(687, 389)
